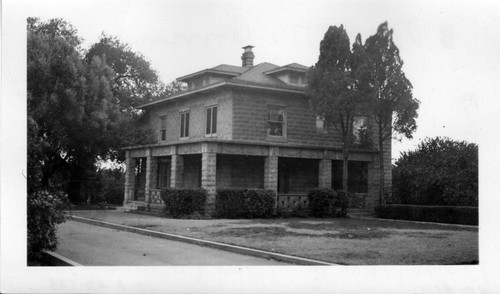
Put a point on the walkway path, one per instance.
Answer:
(97, 246)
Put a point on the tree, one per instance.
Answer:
(440, 171)
(71, 110)
(337, 86)
(393, 106)
(135, 81)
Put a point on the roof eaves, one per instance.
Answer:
(290, 89)
(284, 68)
(208, 70)
(182, 94)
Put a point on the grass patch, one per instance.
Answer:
(341, 241)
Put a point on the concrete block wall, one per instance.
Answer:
(250, 112)
(325, 173)
(197, 117)
(209, 176)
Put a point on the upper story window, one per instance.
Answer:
(358, 124)
(184, 124)
(163, 128)
(211, 127)
(294, 79)
(320, 124)
(276, 121)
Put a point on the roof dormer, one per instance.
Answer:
(293, 74)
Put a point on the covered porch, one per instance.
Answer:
(290, 172)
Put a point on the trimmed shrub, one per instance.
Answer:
(259, 203)
(237, 203)
(230, 203)
(45, 212)
(183, 202)
(326, 202)
(321, 202)
(464, 215)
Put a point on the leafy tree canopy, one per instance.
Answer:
(394, 107)
(135, 81)
(78, 110)
(338, 84)
(440, 171)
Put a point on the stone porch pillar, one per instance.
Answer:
(271, 171)
(176, 171)
(372, 197)
(151, 175)
(129, 178)
(325, 173)
(209, 174)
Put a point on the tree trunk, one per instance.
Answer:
(382, 169)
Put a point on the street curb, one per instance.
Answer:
(415, 222)
(58, 260)
(222, 246)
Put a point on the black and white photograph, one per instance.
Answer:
(249, 146)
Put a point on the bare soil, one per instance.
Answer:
(337, 240)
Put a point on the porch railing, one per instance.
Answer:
(293, 201)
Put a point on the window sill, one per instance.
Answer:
(276, 138)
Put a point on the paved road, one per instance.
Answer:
(93, 245)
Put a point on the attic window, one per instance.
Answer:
(294, 79)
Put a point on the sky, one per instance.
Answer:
(445, 45)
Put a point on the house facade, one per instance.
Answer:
(246, 127)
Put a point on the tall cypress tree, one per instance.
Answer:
(393, 106)
(335, 86)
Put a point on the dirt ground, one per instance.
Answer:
(342, 241)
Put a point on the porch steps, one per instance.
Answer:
(360, 213)
(140, 206)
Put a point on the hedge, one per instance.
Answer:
(183, 202)
(464, 215)
(237, 203)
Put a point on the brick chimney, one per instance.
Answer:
(247, 56)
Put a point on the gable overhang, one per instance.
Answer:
(284, 70)
(207, 71)
(231, 83)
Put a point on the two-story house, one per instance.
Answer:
(247, 126)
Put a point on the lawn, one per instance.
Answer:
(338, 240)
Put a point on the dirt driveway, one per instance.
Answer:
(341, 241)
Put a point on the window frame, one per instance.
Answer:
(283, 123)
(210, 122)
(322, 129)
(184, 124)
(356, 127)
(163, 129)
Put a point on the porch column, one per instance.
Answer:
(176, 171)
(372, 197)
(325, 173)
(151, 174)
(129, 178)
(209, 174)
(271, 172)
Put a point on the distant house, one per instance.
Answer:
(245, 127)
